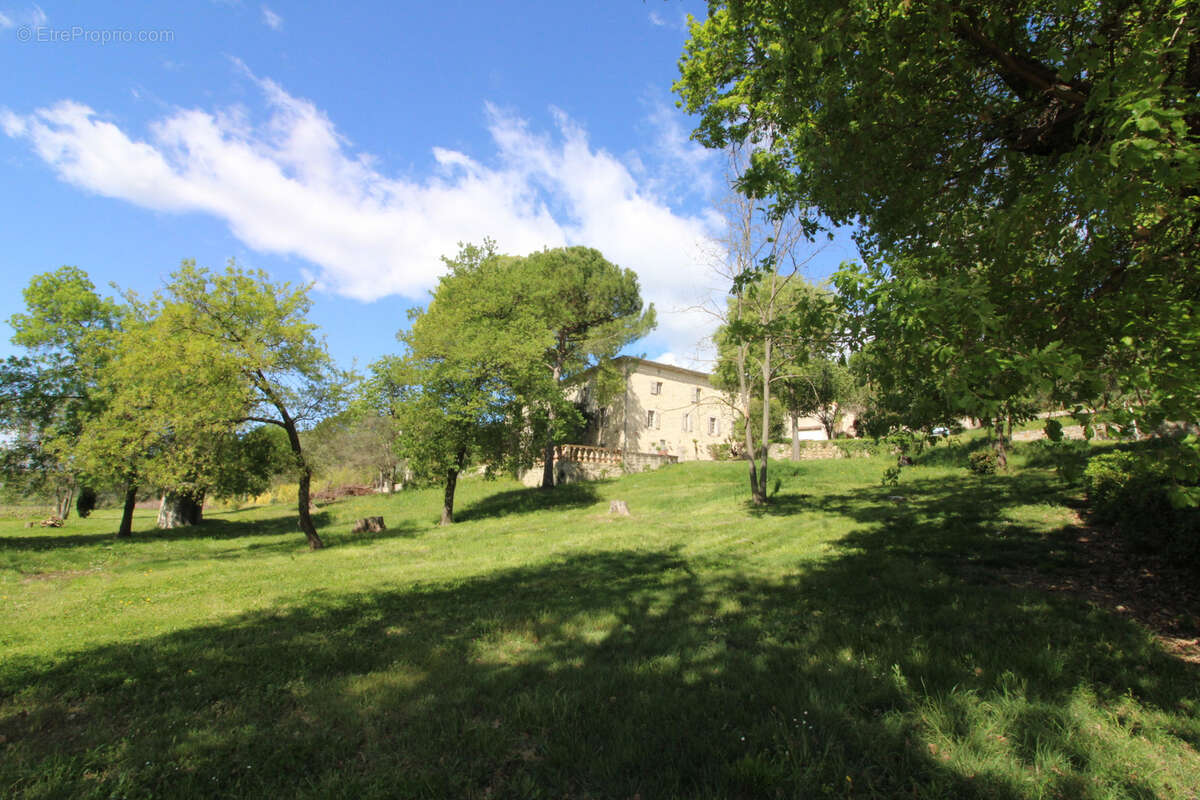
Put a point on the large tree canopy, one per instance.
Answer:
(238, 348)
(473, 371)
(1051, 149)
(49, 395)
(585, 310)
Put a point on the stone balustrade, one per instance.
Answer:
(586, 454)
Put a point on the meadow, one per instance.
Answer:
(839, 643)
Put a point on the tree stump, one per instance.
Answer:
(369, 525)
(618, 507)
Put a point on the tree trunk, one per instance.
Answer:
(304, 503)
(795, 437)
(304, 494)
(62, 500)
(548, 463)
(451, 485)
(765, 432)
(548, 456)
(829, 422)
(756, 488)
(1000, 445)
(126, 529)
(179, 509)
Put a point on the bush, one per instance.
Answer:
(720, 452)
(860, 447)
(1068, 457)
(1150, 495)
(891, 476)
(1124, 486)
(982, 462)
(86, 501)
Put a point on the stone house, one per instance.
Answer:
(665, 409)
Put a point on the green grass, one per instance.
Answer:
(835, 644)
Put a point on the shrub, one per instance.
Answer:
(720, 452)
(1068, 457)
(891, 476)
(982, 462)
(905, 443)
(1150, 495)
(1124, 486)
(860, 447)
(86, 501)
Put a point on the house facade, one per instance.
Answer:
(665, 409)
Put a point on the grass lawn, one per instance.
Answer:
(837, 644)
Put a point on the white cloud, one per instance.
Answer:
(271, 19)
(679, 23)
(292, 186)
(34, 17)
(688, 166)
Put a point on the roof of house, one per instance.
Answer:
(670, 367)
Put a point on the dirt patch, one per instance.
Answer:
(1147, 588)
(59, 575)
(1068, 432)
(331, 493)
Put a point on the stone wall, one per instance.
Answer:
(812, 451)
(642, 462)
(585, 464)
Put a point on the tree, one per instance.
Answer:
(474, 371)
(821, 387)
(768, 317)
(938, 350)
(237, 348)
(357, 445)
(586, 309)
(373, 418)
(155, 427)
(47, 396)
(1047, 148)
(773, 322)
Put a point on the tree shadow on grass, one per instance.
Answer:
(524, 501)
(612, 674)
(934, 517)
(211, 527)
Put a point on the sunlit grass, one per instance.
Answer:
(839, 643)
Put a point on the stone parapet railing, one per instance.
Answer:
(575, 462)
(586, 454)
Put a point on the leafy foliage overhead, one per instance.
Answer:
(1043, 155)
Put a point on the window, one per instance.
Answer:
(656, 387)
(696, 395)
(687, 423)
(714, 426)
(652, 419)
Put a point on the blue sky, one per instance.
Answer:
(353, 147)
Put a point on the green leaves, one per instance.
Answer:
(49, 396)
(489, 359)
(1024, 176)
